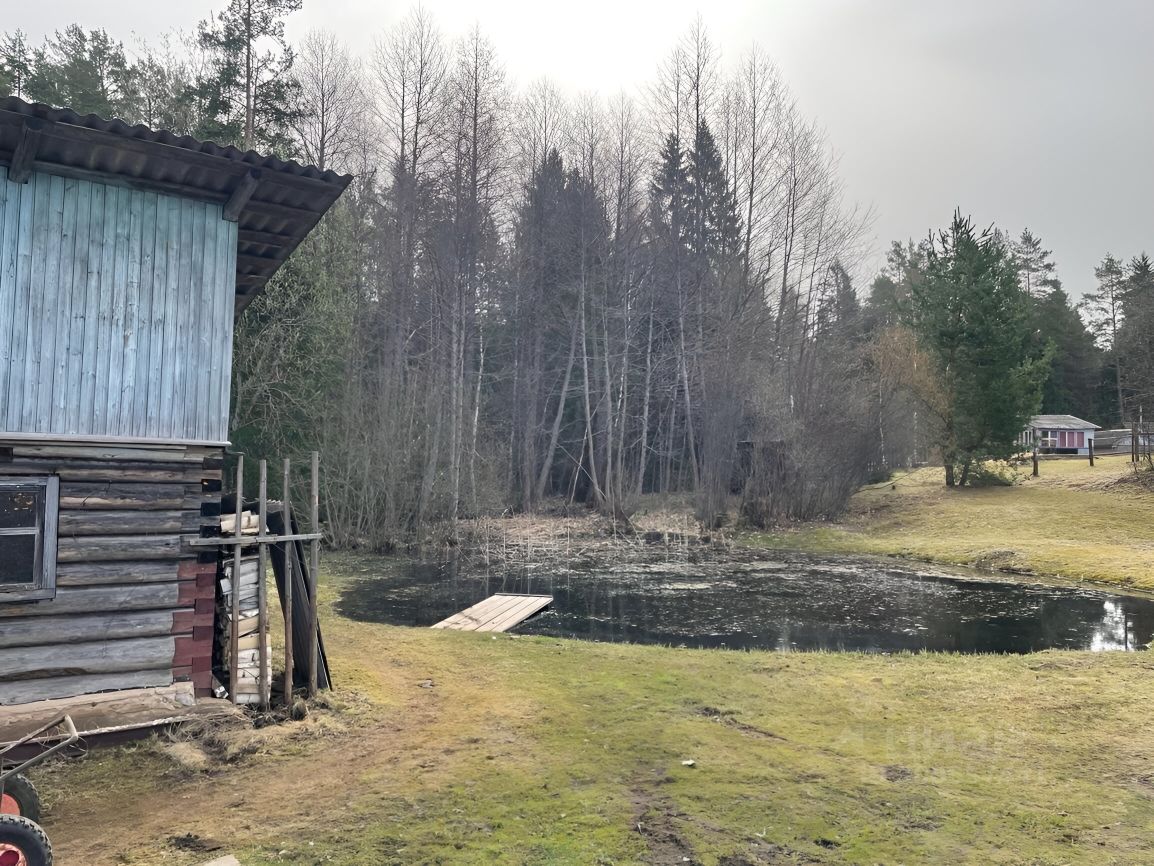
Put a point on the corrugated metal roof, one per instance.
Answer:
(287, 201)
(1061, 422)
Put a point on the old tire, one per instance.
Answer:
(20, 798)
(23, 843)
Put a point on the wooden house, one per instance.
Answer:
(1058, 434)
(126, 254)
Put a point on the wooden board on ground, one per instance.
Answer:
(113, 712)
(498, 612)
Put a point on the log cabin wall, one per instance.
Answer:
(134, 602)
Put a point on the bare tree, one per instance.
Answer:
(411, 67)
(332, 101)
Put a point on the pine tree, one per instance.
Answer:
(889, 296)
(973, 317)
(1138, 288)
(85, 71)
(1135, 348)
(248, 95)
(1077, 362)
(1035, 269)
(1058, 329)
(16, 63)
(1103, 313)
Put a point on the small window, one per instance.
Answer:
(28, 508)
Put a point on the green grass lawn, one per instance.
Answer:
(455, 748)
(1074, 522)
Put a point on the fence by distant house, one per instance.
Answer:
(1122, 441)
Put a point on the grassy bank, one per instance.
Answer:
(1074, 521)
(456, 748)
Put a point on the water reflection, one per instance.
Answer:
(791, 603)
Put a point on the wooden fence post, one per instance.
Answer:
(262, 592)
(1091, 452)
(289, 559)
(234, 631)
(314, 568)
(1035, 461)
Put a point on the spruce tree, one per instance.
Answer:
(668, 192)
(715, 229)
(973, 317)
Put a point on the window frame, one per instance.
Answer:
(43, 585)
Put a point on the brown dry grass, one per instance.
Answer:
(1075, 521)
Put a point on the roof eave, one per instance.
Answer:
(283, 200)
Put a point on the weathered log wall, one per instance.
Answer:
(134, 602)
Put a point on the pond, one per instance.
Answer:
(776, 601)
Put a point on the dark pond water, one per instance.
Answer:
(788, 602)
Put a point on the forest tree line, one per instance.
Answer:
(528, 297)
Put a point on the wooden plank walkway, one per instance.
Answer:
(498, 612)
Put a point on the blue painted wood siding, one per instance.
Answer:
(116, 312)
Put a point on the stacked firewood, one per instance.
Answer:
(248, 686)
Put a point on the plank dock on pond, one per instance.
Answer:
(498, 612)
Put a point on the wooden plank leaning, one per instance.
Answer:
(314, 569)
(234, 626)
(289, 558)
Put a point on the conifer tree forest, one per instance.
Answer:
(528, 297)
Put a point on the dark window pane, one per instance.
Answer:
(17, 559)
(18, 507)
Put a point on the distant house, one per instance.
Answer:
(1058, 434)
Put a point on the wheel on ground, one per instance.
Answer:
(19, 797)
(23, 843)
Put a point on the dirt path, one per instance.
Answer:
(301, 777)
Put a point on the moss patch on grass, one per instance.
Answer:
(1075, 521)
(463, 749)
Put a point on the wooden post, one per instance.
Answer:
(262, 591)
(1091, 441)
(314, 569)
(289, 558)
(234, 584)
(1035, 461)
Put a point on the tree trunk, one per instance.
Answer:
(476, 422)
(691, 439)
(555, 432)
(598, 494)
(643, 457)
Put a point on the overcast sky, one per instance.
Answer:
(1034, 113)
